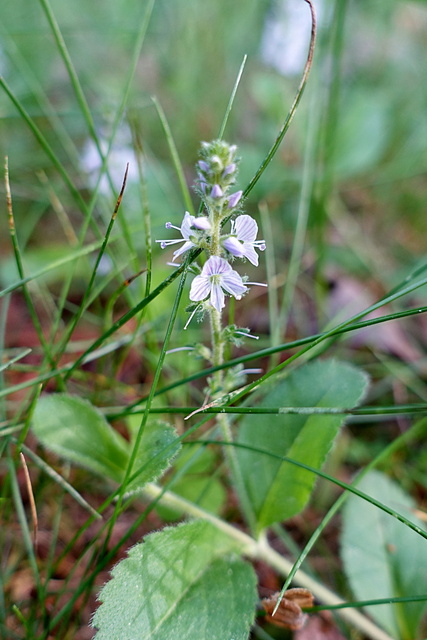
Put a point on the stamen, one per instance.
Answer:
(165, 243)
(260, 244)
(179, 349)
(247, 335)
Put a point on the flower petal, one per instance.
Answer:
(233, 284)
(217, 298)
(185, 247)
(234, 246)
(216, 192)
(215, 266)
(231, 168)
(250, 253)
(204, 166)
(186, 226)
(245, 228)
(201, 222)
(234, 199)
(200, 288)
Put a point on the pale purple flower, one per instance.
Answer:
(204, 166)
(202, 184)
(242, 241)
(231, 168)
(234, 199)
(187, 229)
(200, 222)
(216, 192)
(216, 276)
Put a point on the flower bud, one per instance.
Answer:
(234, 199)
(216, 191)
(231, 168)
(201, 223)
(203, 166)
(216, 163)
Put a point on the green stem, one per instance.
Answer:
(222, 420)
(260, 549)
(217, 341)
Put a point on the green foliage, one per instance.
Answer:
(179, 583)
(383, 558)
(277, 489)
(350, 173)
(195, 481)
(362, 136)
(74, 429)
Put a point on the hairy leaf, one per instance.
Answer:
(178, 584)
(74, 429)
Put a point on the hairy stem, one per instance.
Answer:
(223, 420)
(261, 550)
(217, 382)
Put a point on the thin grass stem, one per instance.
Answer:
(232, 98)
(185, 192)
(418, 430)
(294, 106)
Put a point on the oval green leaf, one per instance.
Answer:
(178, 584)
(383, 558)
(277, 489)
(74, 429)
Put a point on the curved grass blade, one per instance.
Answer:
(44, 144)
(92, 353)
(25, 71)
(175, 156)
(349, 488)
(19, 265)
(299, 235)
(366, 603)
(74, 255)
(416, 431)
(329, 334)
(139, 435)
(232, 97)
(88, 289)
(127, 316)
(280, 348)
(56, 477)
(294, 106)
(20, 355)
(394, 410)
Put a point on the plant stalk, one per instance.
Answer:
(261, 550)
